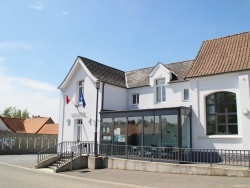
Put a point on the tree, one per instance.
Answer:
(12, 112)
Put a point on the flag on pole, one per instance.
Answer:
(82, 100)
(67, 99)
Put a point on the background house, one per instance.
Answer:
(14, 125)
(40, 125)
(30, 136)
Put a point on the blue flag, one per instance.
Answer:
(82, 100)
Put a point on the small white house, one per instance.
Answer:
(194, 104)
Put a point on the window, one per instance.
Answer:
(80, 90)
(186, 94)
(160, 90)
(135, 98)
(221, 113)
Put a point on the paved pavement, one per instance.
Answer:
(124, 178)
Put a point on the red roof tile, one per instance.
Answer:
(33, 125)
(49, 129)
(14, 124)
(226, 54)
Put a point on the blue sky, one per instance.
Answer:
(40, 40)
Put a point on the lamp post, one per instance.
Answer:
(97, 85)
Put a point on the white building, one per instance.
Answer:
(200, 104)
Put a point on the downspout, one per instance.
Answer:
(102, 96)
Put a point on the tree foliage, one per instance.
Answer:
(12, 112)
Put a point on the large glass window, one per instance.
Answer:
(169, 130)
(120, 131)
(221, 113)
(160, 90)
(134, 131)
(185, 127)
(151, 131)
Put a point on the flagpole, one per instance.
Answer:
(71, 100)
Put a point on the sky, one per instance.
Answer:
(40, 40)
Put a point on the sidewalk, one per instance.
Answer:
(135, 178)
(162, 180)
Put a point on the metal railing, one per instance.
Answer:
(178, 155)
(63, 148)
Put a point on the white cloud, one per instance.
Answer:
(65, 13)
(37, 97)
(38, 6)
(15, 45)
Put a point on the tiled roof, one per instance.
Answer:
(14, 124)
(33, 125)
(140, 77)
(180, 69)
(105, 73)
(49, 129)
(226, 54)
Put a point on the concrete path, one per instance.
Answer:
(118, 178)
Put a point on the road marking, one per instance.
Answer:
(79, 178)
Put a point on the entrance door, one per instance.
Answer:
(79, 126)
(106, 136)
(79, 133)
(106, 131)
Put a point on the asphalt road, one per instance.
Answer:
(18, 171)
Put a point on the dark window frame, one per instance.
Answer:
(221, 114)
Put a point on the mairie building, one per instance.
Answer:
(201, 103)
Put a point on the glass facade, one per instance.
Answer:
(170, 127)
(134, 131)
(120, 131)
(151, 131)
(169, 131)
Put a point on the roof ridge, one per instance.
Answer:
(228, 36)
(140, 69)
(101, 64)
(178, 62)
(11, 117)
(161, 63)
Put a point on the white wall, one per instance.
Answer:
(199, 89)
(114, 98)
(90, 93)
(147, 95)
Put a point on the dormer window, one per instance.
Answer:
(160, 90)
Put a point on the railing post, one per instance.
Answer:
(72, 153)
(248, 159)
(211, 164)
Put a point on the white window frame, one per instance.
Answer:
(186, 89)
(79, 129)
(80, 87)
(162, 88)
(136, 100)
